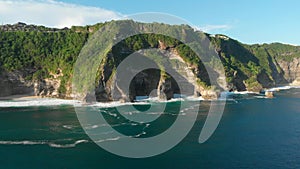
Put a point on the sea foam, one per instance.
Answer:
(37, 102)
(29, 102)
(42, 142)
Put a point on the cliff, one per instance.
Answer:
(39, 61)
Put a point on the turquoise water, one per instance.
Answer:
(253, 133)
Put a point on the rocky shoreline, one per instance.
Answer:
(267, 93)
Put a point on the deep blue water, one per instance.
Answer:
(253, 133)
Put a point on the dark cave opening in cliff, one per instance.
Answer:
(151, 83)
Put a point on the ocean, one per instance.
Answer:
(254, 132)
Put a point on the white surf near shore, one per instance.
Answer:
(29, 102)
(49, 143)
(34, 101)
(275, 89)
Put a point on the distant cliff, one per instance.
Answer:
(39, 61)
(253, 67)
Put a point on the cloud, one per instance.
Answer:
(214, 28)
(52, 13)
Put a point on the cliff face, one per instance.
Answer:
(180, 74)
(35, 60)
(254, 67)
(13, 83)
(291, 70)
(178, 80)
(17, 83)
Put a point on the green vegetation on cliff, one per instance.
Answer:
(253, 67)
(42, 52)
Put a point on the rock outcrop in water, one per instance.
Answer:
(39, 61)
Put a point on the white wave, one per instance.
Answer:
(108, 139)
(275, 89)
(37, 102)
(192, 98)
(175, 100)
(155, 113)
(138, 135)
(244, 92)
(69, 127)
(113, 104)
(113, 139)
(92, 127)
(25, 142)
(49, 143)
(278, 88)
(157, 100)
(28, 102)
(55, 145)
(113, 114)
(261, 97)
(187, 109)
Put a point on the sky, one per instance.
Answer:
(255, 21)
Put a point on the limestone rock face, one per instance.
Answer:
(47, 88)
(291, 70)
(180, 79)
(15, 83)
(166, 89)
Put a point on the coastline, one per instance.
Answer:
(28, 97)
